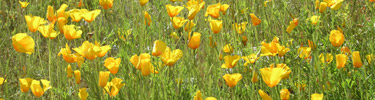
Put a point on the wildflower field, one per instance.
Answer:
(187, 49)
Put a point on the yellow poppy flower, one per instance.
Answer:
(341, 60)
(216, 25)
(112, 64)
(356, 58)
(250, 59)
(232, 79)
(272, 76)
(176, 0)
(345, 50)
(170, 57)
(61, 22)
(224, 8)
(198, 95)
(241, 27)
(61, 12)
(314, 19)
(316, 96)
(25, 84)
(91, 15)
(369, 58)
(311, 44)
(38, 90)
(228, 48)
(194, 9)
(304, 52)
(159, 48)
(103, 78)
(148, 20)
(282, 50)
(284, 94)
(69, 71)
(270, 49)
(104, 49)
(336, 4)
(114, 86)
(78, 59)
(174, 35)
(51, 16)
(194, 41)
(189, 26)
(143, 2)
(77, 76)
(256, 21)
(106, 3)
(48, 31)
(135, 60)
(336, 38)
(88, 50)
(23, 43)
(143, 63)
(326, 58)
(212, 43)
(1, 81)
(230, 61)
(322, 7)
(213, 10)
(244, 40)
(173, 10)
(23, 4)
(254, 79)
(67, 54)
(210, 98)
(178, 22)
(317, 2)
(264, 95)
(83, 93)
(286, 72)
(292, 25)
(70, 32)
(76, 14)
(33, 22)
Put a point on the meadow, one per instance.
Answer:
(187, 49)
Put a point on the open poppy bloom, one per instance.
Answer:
(103, 78)
(67, 54)
(341, 60)
(216, 25)
(159, 48)
(292, 25)
(48, 31)
(88, 50)
(241, 27)
(76, 14)
(198, 95)
(214, 10)
(143, 2)
(356, 58)
(143, 63)
(112, 64)
(250, 59)
(39, 90)
(25, 84)
(304, 52)
(178, 22)
(323, 7)
(272, 76)
(114, 86)
(1, 81)
(23, 43)
(170, 57)
(224, 8)
(336, 37)
(69, 71)
(51, 15)
(194, 9)
(91, 15)
(148, 20)
(33, 22)
(83, 93)
(286, 72)
(189, 26)
(270, 49)
(256, 21)
(316, 96)
(106, 3)
(264, 95)
(232, 79)
(70, 32)
(230, 61)
(282, 50)
(194, 41)
(23, 4)
(284, 94)
(173, 10)
(77, 76)
(228, 48)
(314, 19)
(104, 49)
(326, 58)
(336, 4)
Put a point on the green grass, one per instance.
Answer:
(199, 69)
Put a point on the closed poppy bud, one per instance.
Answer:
(116, 84)
(311, 44)
(159, 48)
(345, 50)
(230, 61)
(178, 22)
(221, 56)
(216, 25)
(143, 2)
(61, 21)
(51, 16)
(341, 60)
(284, 94)
(292, 25)
(316, 96)
(369, 58)
(70, 32)
(39, 90)
(23, 4)
(189, 26)
(23, 43)
(223, 8)
(198, 95)
(25, 84)
(271, 76)
(112, 64)
(213, 10)
(264, 95)
(148, 20)
(210, 98)
(356, 58)
(69, 71)
(212, 43)
(194, 9)
(173, 10)
(254, 79)
(170, 57)
(336, 38)
(103, 78)
(337, 4)
(317, 4)
(91, 15)
(83, 93)
(61, 11)
(194, 41)
(1, 81)
(232, 79)
(106, 3)
(326, 58)
(77, 76)
(256, 21)
(33, 22)
(244, 40)
(322, 7)
(228, 48)
(240, 28)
